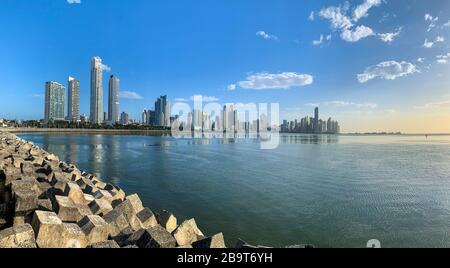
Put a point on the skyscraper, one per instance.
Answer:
(162, 111)
(96, 90)
(124, 118)
(73, 96)
(316, 120)
(113, 99)
(55, 94)
(145, 117)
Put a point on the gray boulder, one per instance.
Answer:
(156, 237)
(187, 233)
(215, 241)
(105, 244)
(19, 236)
(167, 220)
(47, 228)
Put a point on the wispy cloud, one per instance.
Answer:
(204, 98)
(432, 20)
(311, 16)
(443, 59)
(447, 24)
(74, 1)
(345, 104)
(340, 21)
(40, 96)
(440, 39)
(285, 80)
(363, 9)
(131, 95)
(354, 35)
(106, 68)
(389, 37)
(428, 44)
(266, 36)
(322, 38)
(388, 70)
(350, 104)
(439, 104)
(231, 87)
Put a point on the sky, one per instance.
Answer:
(373, 65)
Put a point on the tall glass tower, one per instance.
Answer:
(96, 91)
(113, 99)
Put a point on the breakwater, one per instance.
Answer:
(47, 203)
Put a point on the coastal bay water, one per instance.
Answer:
(330, 191)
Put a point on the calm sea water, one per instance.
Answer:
(330, 191)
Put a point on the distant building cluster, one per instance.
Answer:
(55, 99)
(55, 102)
(311, 125)
(160, 116)
(229, 119)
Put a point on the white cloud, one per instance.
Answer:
(311, 16)
(357, 34)
(440, 39)
(231, 87)
(205, 98)
(428, 17)
(340, 21)
(321, 40)
(337, 17)
(443, 59)
(285, 80)
(350, 104)
(432, 21)
(266, 36)
(447, 24)
(363, 9)
(421, 60)
(130, 95)
(440, 104)
(428, 44)
(106, 68)
(74, 1)
(318, 42)
(37, 95)
(388, 70)
(389, 37)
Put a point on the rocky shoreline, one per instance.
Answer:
(47, 203)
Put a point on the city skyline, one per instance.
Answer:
(379, 68)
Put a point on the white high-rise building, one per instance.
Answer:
(73, 97)
(55, 98)
(113, 99)
(96, 91)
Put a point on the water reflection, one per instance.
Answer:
(111, 167)
(95, 156)
(71, 147)
(309, 139)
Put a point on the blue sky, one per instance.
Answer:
(379, 65)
